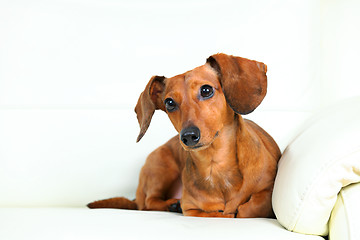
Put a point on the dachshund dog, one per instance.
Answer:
(225, 165)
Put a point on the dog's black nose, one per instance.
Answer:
(190, 136)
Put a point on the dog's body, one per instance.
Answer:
(226, 165)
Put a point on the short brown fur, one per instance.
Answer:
(230, 172)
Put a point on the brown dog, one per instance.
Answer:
(226, 164)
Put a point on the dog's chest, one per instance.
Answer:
(216, 188)
(222, 179)
(215, 177)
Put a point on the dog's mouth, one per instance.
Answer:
(197, 146)
(202, 146)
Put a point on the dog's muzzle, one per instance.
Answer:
(190, 136)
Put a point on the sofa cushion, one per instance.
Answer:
(345, 217)
(321, 160)
(108, 224)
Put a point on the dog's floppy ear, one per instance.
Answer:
(243, 81)
(149, 101)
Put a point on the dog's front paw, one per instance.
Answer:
(227, 215)
(175, 207)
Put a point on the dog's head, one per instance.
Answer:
(202, 101)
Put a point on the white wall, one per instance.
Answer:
(71, 73)
(76, 53)
(101, 53)
(340, 48)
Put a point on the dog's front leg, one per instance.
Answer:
(259, 205)
(157, 178)
(192, 207)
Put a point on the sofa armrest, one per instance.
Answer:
(345, 217)
(317, 164)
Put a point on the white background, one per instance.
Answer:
(101, 53)
(71, 73)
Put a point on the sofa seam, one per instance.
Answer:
(347, 214)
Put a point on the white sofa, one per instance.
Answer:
(316, 190)
(70, 76)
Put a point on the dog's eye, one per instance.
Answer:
(170, 104)
(206, 91)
